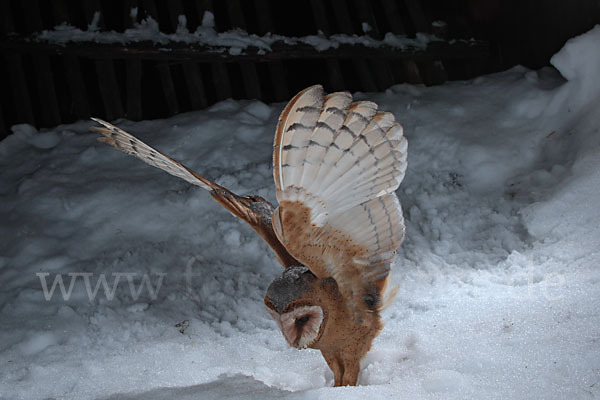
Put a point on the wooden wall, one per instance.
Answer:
(46, 86)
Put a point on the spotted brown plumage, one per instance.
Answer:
(338, 224)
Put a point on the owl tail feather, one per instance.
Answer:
(386, 293)
(388, 297)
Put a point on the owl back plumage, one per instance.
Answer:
(336, 165)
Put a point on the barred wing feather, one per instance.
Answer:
(336, 166)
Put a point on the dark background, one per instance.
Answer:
(45, 89)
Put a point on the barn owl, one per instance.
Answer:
(338, 225)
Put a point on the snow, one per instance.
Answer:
(499, 280)
(234, 41)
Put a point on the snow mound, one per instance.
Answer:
(578, 61)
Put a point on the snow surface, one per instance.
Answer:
(234, 41)
(499, 275)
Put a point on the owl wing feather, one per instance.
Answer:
(254, 210)
(336, 165)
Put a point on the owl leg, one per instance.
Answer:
(351, 370)
(336, 365)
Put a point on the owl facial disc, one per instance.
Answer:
(300, 326)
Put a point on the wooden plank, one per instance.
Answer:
(320, 16)
(19, 88)
(50, 114)
(344, 23)
(236, 14)
(220, 74)
(403, 70)
(382, 73)
(195, 85)
(175, 9)
(105, 70)
(168, 88)
(201, 7)
(264, 17)
(90, 7)
(133, 71)
(334, 71)
(342, 17)
(12, 70)
(77, 88)
(79, 96)
(16, 75)
(128, 5)
(164, 70)
(3, 128)
(411, 71)
(279, 82)
(420, 21)
(60, 12)
(276, 71)
(367, 82)
(392, 14)
(432, 72)
(251, 82)
(109, 89)
(6, 19)
(133, 68)
(149, 7)
(220, 78)
(365, 13)
(249, 73)
(336, 79)
(191, 72)
(47, 91)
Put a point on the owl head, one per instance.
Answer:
(298, 303)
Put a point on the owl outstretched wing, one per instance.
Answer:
(254, 210)
(336, 165)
